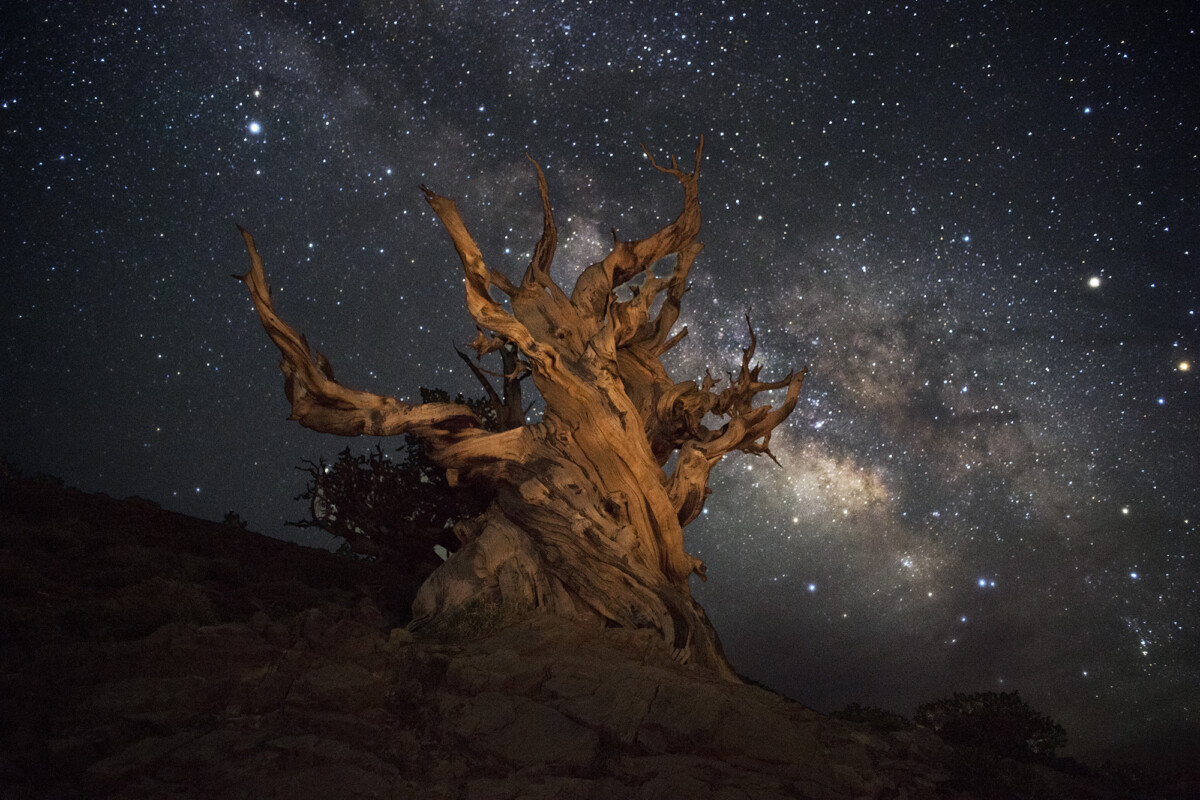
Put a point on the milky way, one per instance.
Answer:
(977, 227)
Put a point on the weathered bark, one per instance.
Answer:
(587, 522)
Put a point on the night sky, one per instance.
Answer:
(976, 224)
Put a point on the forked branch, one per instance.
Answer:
(479, 279)
(748, 430)
(628, 259)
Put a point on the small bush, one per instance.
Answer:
(393, 508)
(877, 718)
(1000, 723)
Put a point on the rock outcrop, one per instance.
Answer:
(150, 655)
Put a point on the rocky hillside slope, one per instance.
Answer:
(145, 654)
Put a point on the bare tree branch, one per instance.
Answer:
(538, 272)
(627, 259)
(479, 279)
(321, 403)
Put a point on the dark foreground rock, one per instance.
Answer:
(150, 655)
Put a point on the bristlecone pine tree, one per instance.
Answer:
(588, 519)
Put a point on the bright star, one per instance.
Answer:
(1094, 281)
(255, 127)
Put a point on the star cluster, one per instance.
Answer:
(976, 224)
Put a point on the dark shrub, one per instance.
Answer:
(393, 508)
(997, 722)
(877, 718)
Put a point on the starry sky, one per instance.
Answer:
(975, 222)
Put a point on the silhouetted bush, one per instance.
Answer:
(1000, 723)
(394, 508)
(878, 718)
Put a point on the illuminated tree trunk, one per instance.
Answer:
(587, 521)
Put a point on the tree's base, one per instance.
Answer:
(501, 569)
(498, 577)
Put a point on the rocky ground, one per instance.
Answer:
(145, 654)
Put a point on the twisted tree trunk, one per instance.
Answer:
(588, 521)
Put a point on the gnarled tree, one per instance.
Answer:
(589, 510)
